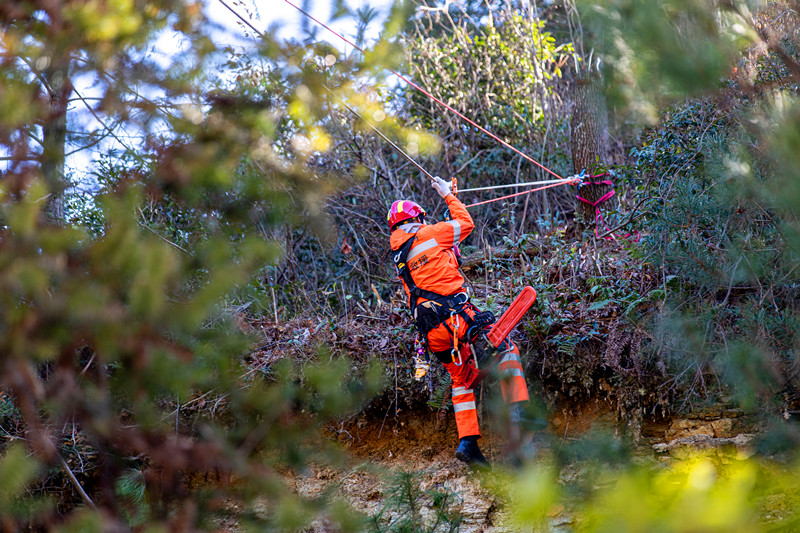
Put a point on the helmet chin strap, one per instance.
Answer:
(420, 219)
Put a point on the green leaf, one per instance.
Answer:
(17, 470)
(340, 9)
(600, 304)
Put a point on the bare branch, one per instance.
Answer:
(102, 123)
(443, 8)
(76, 483)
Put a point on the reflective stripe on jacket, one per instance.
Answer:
(431, 259)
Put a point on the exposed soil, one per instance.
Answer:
(412, 443)
(385, 440)
(424, 444)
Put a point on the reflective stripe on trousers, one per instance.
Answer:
(512, 379)
(464, 404)
(512, 386)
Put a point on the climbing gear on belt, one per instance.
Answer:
(421, 368)
(421, 364)
(420, 345)
(455, 351)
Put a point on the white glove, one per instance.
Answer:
(421, 368)
(442, 187)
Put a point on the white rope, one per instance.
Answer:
(530, 183)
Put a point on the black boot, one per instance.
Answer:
(469, 452)
(522, 439)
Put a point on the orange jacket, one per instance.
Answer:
(431, 260)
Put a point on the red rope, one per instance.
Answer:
(429, 95)
(523, 192)
(598, 215)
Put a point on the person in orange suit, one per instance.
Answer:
(425, 255)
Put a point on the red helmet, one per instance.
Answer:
(403, 210)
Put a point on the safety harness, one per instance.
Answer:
(437, 308)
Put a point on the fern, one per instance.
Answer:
(439, 398)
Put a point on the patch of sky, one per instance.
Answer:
(103, 134)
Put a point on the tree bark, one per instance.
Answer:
(588, 129)
(54, 137)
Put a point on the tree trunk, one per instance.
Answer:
(588, 129)
(54, 138)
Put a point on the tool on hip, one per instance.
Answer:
(421, 364)
(455, 352)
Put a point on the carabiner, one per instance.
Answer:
(455, 349)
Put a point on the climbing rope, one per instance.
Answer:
(429, 95)
(565, 181)
(379, 132)
(260, 34)
(573, 179)
(353, 111)
(545, 184)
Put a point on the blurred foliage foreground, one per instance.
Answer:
(110, 331)
(132, 395)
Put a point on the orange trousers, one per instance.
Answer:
(512, 379)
